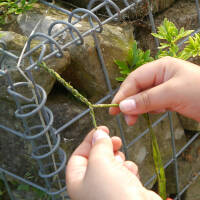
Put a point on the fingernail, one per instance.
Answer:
(126, 117)
(99, 134)
(127, 105)
(118, 158)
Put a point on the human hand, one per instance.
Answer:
(165, 84)
(97, 170)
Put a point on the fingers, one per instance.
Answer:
(102, 147)
(131, 119)
(143, 78)
(156, 98)
(117, 143)
(119, 157)
(131, 166)
(78, 162)
(84, 148)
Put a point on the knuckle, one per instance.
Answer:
(168, 60)
(145, 100)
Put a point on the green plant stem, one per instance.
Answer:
(160, 172)
(76, 94)
(104, 105)
(65, 84)
(93, 117)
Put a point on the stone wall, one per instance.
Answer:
(81, 66)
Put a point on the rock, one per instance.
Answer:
(193, 191)
(85, 65)
(65, 108)
(85, 72)
(189, 124)
(161, 5)
(138, 12)
(14, 151)
(86, 75)
(182, 14)
(191, 158)
(188, 168)
(15, 44)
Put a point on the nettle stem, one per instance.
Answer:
(76, 93)
(104, 105)
(157, 158)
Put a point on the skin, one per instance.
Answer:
(95, 172)
(165, 84)
(97, 169)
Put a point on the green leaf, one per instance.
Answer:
(186, 33)
(173, 50)
(121, 79)
(162, 54)
(11, 10)
(130, 59)
(1, 192)
(121, 64)
(184, 55)
(23, 187)
(156, 35)
(4, 4)
(147, 55)
(163, 46)
(23, 2)
(125, 72)
(40, 194)
(135, 53)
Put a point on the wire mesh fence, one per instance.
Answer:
(50, 157)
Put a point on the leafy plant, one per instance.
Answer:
(9, 7)
(136, 57)
(170, 35)
(169, 32)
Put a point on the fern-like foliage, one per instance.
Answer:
(192, 48)
(136, 57)
(168, 32)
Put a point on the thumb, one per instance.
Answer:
(102, 147)
(157, 98)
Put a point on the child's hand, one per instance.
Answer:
(97, 170)
(165, 84)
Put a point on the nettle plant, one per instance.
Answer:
(169, 35)
(14, 7)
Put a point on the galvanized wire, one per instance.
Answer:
(37, 102)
